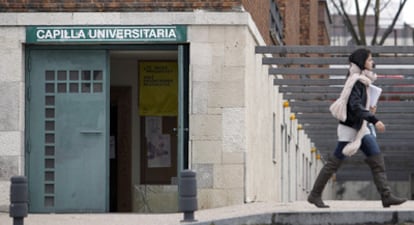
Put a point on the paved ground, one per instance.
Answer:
(341, 212)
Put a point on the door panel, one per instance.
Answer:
(68, 131)
(79, 164)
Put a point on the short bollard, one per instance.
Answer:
(18, 199)
(187, 195)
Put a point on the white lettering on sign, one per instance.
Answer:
(105, 34)
(60, 34)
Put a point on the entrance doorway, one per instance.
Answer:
(86, 146)
(152, 77)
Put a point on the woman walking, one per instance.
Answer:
(353, 113)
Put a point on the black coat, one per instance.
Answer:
(355, 109)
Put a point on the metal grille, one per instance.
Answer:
(62, 82)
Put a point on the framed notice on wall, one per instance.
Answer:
(158, 88)
(158, 144)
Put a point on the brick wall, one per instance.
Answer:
(118, 5)
(289, 10)
(259, 10)
(304, 22)
(323, 33)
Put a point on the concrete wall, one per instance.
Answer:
(11, 108)
(262, 100)
(237, 147)
(217, 112)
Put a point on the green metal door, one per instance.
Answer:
(67, 130)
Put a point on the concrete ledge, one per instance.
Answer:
(340, 213)
(292, 213)
(319, 218)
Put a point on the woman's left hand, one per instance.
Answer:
(380, 126)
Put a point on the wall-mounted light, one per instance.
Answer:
(286, 104)
(292, 116)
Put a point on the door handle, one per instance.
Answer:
(176, 129)
(91, 132)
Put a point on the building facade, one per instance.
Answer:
(105, 102)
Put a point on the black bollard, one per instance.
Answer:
(18, 199)
(187, 201)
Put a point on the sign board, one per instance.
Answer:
(158, 88)
(82, 34)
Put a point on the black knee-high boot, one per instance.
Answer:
(377, 165)
(331, 166)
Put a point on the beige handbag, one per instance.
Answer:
(338, 109)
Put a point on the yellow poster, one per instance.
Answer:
(158, 88)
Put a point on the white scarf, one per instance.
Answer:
(338, 108)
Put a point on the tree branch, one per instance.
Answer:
(348, 22)
(361, 21)
(376, 20)
(390, 28)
